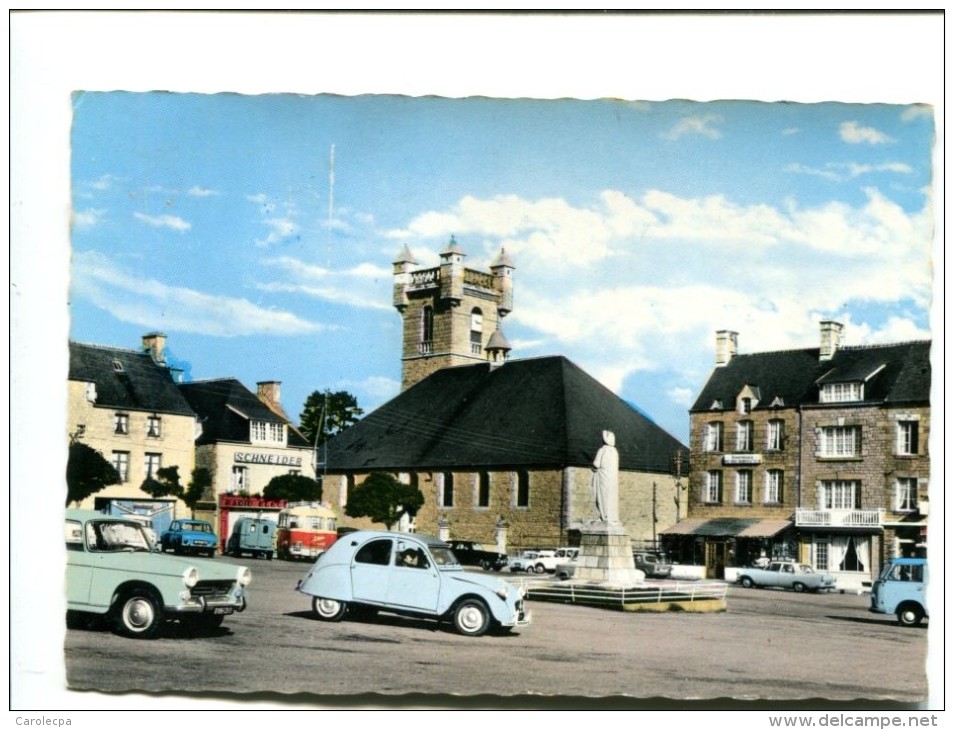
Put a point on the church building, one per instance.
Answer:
(501, 449)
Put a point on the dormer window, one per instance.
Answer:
(716, 405)
(842, 392)
(745, 405)
(747, 399)
(117, 366)
(267, 432)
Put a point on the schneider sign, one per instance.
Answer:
(270, 459)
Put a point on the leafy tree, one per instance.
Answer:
(165, 484)
(327, 413)
(87, 472)
(384, 499)
(293, 488)
(200, 481)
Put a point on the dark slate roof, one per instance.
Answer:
(138, 383)
(893, 374)
(541, 412)
(225, 407)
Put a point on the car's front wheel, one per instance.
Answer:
(799, 587)
(910, 615)
(138, 614)
(327, 609)
(747, 582)
(472, 617)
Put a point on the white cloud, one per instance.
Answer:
(198, 191)
(280, 230)
(789, 131)
(164, 221)
(348, 288)
(681, 396)
(916, 111)
(150, 303)
(852, 133)
(88, 218)
(701, 125)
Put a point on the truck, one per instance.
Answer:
(900, 590)
(253, 536)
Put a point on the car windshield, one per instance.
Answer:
(115, 536)
(197, 526)
(443, 556)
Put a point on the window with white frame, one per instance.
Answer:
(121, 423)
(744, 431)
(841, 392)
(713, 436)
(743, 486)
(839, 441)
(906, 494)
(476, 330)
(153, 427)
(906, 438)
(712, 486)
(841, 494)
(257, 431)
(276, 432)
(120, 462)
(774, 479)
(775, 435)
(152, 464)
(239, 479)
(820, 554)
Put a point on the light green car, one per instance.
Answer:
(114, 570)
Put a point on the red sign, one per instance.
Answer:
(234, 501)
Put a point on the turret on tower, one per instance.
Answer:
(451, 314)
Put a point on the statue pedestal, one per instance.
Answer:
(606, 556)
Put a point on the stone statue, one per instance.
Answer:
(605, 480)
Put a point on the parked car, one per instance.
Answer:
(112, 570)
(189, 536)
(522, 562)
(414, 575)
(781, 574)
(475, 554)
(900, 589)
(252, 536)
(651, 564)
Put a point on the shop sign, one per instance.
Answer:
(268, 459)
(233, 501)
(742, 459)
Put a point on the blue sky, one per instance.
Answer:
(637, 229)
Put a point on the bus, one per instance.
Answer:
(305, 530)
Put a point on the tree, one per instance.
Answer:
(293, 488)
(200, 481)
(87, 472)
(327, 413)
(164, 484)
(384, 499)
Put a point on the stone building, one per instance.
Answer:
(501, 449)
(245, 440)
(815, 454)
(125, 404)
(451, 314)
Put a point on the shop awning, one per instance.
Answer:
(728, 527)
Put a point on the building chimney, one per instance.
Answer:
(270, 392)
(727, 343)
(830, 339)
(155, 344)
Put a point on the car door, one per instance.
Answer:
(414, 583)
(79, 567)
(371, 569)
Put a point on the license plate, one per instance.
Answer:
(222, 611)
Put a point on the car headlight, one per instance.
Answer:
(244, 576)
(190, 576)
(502, 592)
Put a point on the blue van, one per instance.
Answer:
(252, 536)
(901, 590)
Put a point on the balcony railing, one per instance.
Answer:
(839, 517)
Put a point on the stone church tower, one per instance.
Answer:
(451, 314)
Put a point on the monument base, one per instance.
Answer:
(606, 556)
